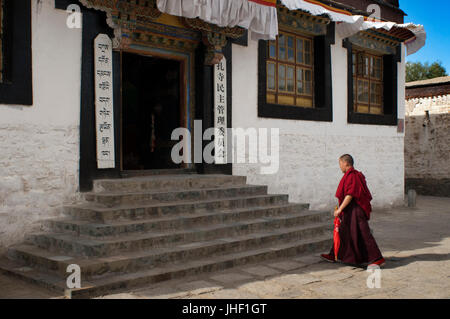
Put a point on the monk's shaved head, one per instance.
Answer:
(347, 158)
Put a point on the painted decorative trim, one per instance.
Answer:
(134, 22)
(242, 41)
(200, 25)
(298, 21)
(374, 42)
(214, 38)
(124, 17)
(383, 35)
(153, 36)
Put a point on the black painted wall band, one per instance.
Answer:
(17, 85)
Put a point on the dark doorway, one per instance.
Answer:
(150, 111)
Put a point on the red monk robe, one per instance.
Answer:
(357, 245)
(353, 183)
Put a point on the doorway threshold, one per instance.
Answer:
(150, 172)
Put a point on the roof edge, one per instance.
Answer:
(430, 82)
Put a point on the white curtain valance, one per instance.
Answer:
(260, 17)
(348, 24)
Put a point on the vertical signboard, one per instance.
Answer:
(220, 111)
(104, 102)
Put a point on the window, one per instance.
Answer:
(15, 57)
(294, 74)
(289, 67)
(367, 70)
(372, 84)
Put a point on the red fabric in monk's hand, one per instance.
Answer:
(336, 237)
(353, 183)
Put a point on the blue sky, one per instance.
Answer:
(434, 15)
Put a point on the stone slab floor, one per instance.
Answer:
(415, 242)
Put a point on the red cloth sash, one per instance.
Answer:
(353, 183)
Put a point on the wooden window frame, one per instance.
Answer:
(357, 77)
(389, 116)
(321, 83)
(295, 64)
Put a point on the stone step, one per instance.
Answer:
(167, 182)
(144, 229)
(119, 282)
(95, 212)
(152, 172)
(111, 199)
(80, 246)
(176, 222)
(156, 257)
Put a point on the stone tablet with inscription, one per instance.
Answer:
(220, 111)
(104, 102)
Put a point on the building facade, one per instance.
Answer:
(427, 161)
(329, 82)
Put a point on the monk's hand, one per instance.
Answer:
(337, 212)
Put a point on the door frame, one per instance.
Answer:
(187, 92)
(95, 22)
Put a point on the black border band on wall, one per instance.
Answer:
(243, 41)
(63, 4)
(390, 91)
(94, 22)
(17, 84)
(323, 92)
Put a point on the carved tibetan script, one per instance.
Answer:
(220, 111)
(104, 102)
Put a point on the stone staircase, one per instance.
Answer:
(135, 231)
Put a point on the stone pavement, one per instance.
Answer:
(415, 243)
(12, 288)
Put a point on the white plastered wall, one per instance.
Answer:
(309, 150)
(39, 144)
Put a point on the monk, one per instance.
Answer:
(357, 245)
